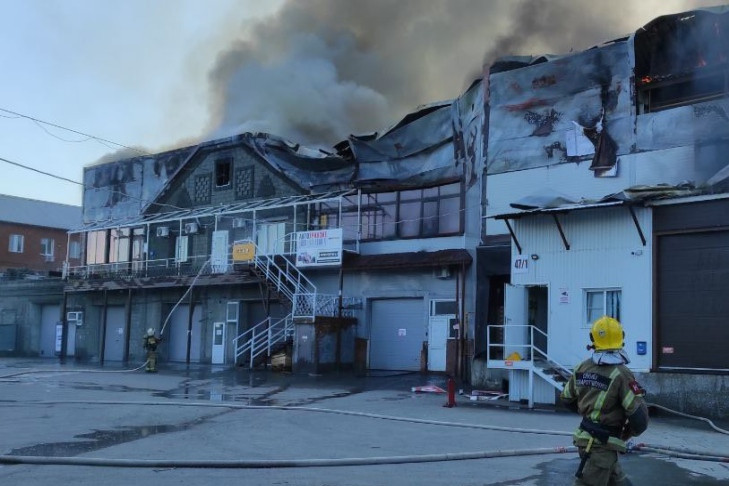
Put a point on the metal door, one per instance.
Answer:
(178, 327)
(220, 252)
(437, 339)
(71, 339)
(515, 319)
(115, 335)
(218, 343)
(50, 315)
(397, 334)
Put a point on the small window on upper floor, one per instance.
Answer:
(47, 245)
(74, 249)
(16, 244)
(223, 170)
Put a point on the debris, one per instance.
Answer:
(427, 389)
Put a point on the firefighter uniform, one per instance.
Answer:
(604, 391)
(150, 344)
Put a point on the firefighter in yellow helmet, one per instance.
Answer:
(604, 391)
(150, 344)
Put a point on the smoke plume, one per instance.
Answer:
(319, 70)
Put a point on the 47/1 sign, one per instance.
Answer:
(519, 264)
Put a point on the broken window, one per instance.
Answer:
(681, 60)
(223, 169)
(413, 213)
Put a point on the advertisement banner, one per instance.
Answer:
(319, 248)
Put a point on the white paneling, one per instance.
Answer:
(605, 251)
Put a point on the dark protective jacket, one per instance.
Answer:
(150, 343)
(610, 401)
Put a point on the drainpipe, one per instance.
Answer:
(127, 324)
(189, 327)
(462, 326)
(103, 328)
(459, 347)
(64, 328)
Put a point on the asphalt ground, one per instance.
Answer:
(199, 414)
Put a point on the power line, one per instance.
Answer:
(88, 136)
(40, 171)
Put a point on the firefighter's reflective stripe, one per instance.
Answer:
(628, 399)
(597, 410)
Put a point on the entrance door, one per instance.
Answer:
(49, 318)
(515, 320)
(218, 343)
(178, 334)
(115, 336)
(538, 317)
(71, 339)
(437, 339)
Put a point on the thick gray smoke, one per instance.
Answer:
(320, 70)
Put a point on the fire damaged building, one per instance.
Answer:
(357, 257)
(606, 170)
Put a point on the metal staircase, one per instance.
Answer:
(263, 338)
(513, 348)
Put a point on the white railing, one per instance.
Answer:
(516, 337)
(288, 281)
(160, 267)
(262, 337)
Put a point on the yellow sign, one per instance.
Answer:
(243, 252)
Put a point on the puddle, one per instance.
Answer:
(101, 439)
(639, 468)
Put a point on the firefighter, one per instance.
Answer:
(604, 391)
(150, 344)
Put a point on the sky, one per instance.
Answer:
(146, 76)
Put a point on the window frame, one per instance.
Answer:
(48, 244)
(19, 246)
(587, 320)
(223, 161)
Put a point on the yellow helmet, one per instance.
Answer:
(607, 334)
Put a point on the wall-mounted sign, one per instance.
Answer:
(319, 248)
(402, 332)
(519, 264)
(564, 296)
(244, 252)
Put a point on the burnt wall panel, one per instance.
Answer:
(693, 216)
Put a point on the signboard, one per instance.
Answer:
(564, 296)
(319, 248)
(244, 252)
(520, 264)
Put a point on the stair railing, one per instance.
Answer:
(262, 337)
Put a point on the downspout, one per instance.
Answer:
(64, 328)
(103, 328)
(189, 327)
(463, 324)
(459, 346)
(127, 324)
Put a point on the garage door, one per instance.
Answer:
(693, 279)
(397, 332)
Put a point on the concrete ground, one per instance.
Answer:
(78, 411)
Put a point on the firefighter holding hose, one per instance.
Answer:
(604, 391)
(150, 344)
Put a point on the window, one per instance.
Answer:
(600, 303)
(96, 247)
(74, 250)
(414, 213)
(16, 244)
(47, 248)
(119, 245)
(223, 169)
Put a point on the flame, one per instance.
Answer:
(646, 79)
(700, 62)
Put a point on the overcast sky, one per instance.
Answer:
(159, 74)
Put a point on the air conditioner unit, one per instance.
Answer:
(190, 228)
(443, 273)
(163, 232)
(75, 317)
(239, 222)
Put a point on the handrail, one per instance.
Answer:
(530, 345)
(262, 337)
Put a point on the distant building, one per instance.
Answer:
(33, 236)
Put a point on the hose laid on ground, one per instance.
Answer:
(695, 417)
(682, 453)
(28, 372)
(279, 463)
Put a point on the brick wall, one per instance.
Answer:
(31, 257)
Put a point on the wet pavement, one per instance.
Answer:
(187, 414)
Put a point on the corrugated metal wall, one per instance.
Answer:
(605, 252)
